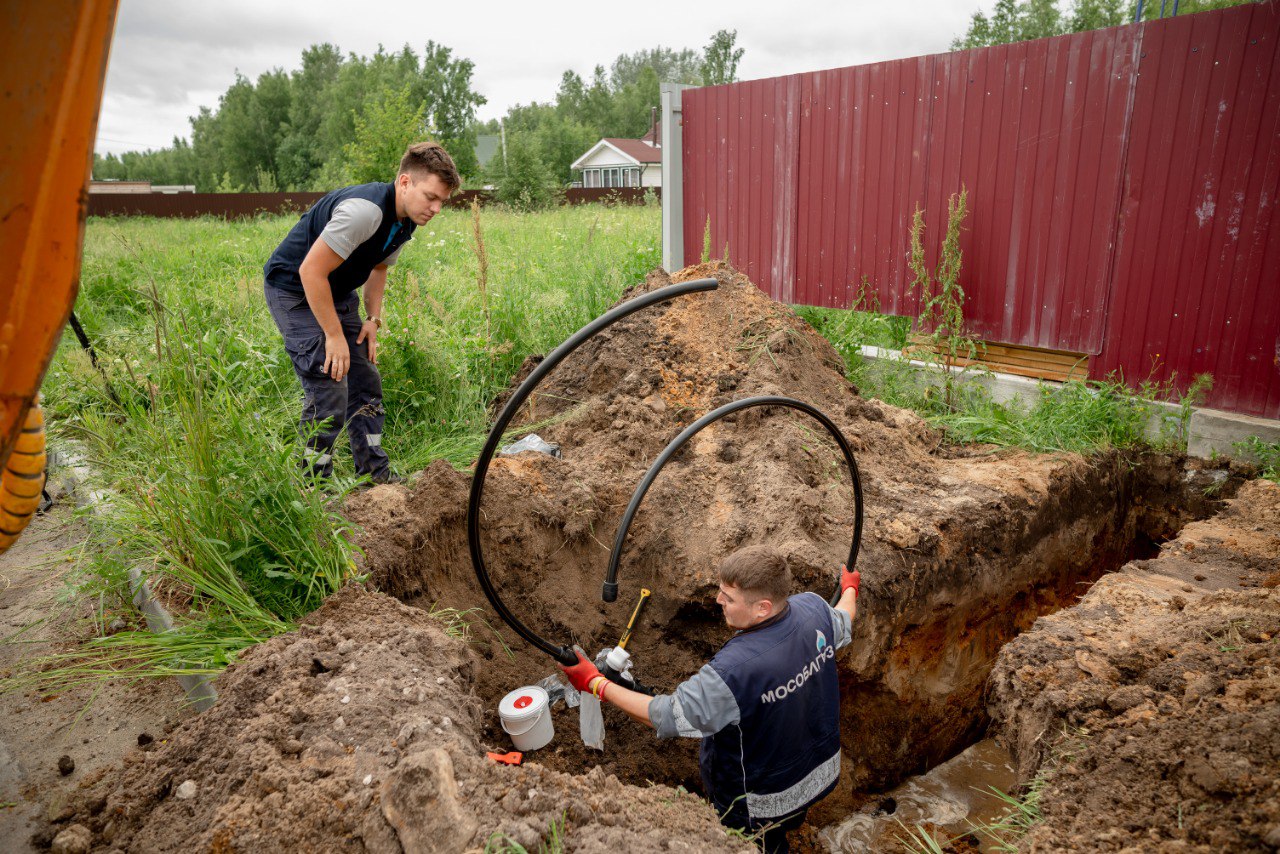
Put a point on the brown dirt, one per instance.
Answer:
(962, 549)
(1153, 706)
(359, 733)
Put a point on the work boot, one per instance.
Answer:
(389, 477)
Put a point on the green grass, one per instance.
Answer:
(1078, 415)
(552, 843)
(1266, 453)
(191, 423)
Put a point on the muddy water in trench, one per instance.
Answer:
(949, 798)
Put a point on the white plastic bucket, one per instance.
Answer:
(526, 717)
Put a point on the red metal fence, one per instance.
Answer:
(1122, 186)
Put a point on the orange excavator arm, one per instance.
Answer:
(52, 70)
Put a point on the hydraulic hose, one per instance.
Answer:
(563, 654)
(610, 591)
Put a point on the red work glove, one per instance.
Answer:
(849, 579)
(581, 674)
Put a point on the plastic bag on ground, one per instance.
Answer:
(555, 689)
(532, 442)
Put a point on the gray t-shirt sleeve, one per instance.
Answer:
(353, 222)
(701, 706)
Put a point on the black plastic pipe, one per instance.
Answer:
(610, 591)
(563, 654)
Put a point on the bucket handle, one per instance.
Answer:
(524, 731)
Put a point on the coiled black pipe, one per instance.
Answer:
(563, 654)
(610, 591)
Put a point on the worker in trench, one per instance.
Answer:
(767, 705)
(346, 241)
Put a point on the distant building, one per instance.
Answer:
(613, 162)
(110, 186)
(138, 187)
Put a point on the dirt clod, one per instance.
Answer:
(76, 839)
(66, 765)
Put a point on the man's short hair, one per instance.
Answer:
(423, 158)
(761, 570)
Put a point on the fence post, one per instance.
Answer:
(672, 178)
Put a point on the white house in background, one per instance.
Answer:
(615, 162)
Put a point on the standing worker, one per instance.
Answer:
(767, 706)
(346, 240)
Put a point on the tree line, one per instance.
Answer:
(342, 119)
(1022, 20)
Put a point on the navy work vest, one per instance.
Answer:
(785, 753)
(281, 269)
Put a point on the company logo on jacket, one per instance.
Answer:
(826, 652)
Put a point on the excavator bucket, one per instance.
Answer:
(52, 71)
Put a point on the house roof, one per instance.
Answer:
(630, 150)
(641, 152)
(654, 136)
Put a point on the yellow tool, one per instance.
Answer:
(645, 593)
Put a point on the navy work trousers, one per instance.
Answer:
(355, 401)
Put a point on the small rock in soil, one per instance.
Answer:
(66, 765)
(187, 790)
(76, 839)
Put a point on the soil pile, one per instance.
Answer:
(359, 732)
(1153, 706)
(962, 548)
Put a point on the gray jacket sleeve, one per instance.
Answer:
(842, 623)
(844, 627)
(702, 705)
(353, 222)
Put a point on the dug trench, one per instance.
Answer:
(964, 547)
(367, 728)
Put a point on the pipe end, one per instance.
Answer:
(610, 591)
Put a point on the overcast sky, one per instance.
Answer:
(170, 57)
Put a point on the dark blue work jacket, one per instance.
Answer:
(281, 269)
(785, 753)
